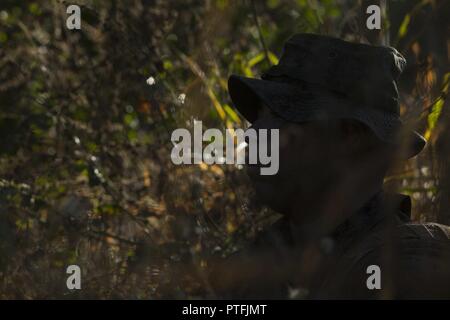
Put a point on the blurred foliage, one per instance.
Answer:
(86, 118)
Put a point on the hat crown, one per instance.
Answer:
(365, 74)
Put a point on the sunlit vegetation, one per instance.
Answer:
(86, 118)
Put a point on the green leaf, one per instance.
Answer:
(272, 4)
(436, 111)
(273, 58)
(256, 59)
(3, 37)
(167, 65)
(231, 113)
(404, 26)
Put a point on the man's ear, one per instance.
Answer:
(359, 141)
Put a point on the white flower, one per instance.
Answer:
(181, 98)
(151, 81)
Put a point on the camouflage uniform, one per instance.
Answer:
(414, 259)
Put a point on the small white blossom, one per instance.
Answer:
(4, 15)
(181, 98)
(151, 81)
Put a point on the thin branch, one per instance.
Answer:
(261, 38)
(102, 234)
(442, 96)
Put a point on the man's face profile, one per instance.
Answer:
(314, 158)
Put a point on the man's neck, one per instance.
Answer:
(324, 214)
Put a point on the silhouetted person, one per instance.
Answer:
(336, 106)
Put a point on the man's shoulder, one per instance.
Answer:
(424, 246)
(418, 240)
(416, 257)
(424, 231)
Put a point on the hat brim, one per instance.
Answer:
(311, 103)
